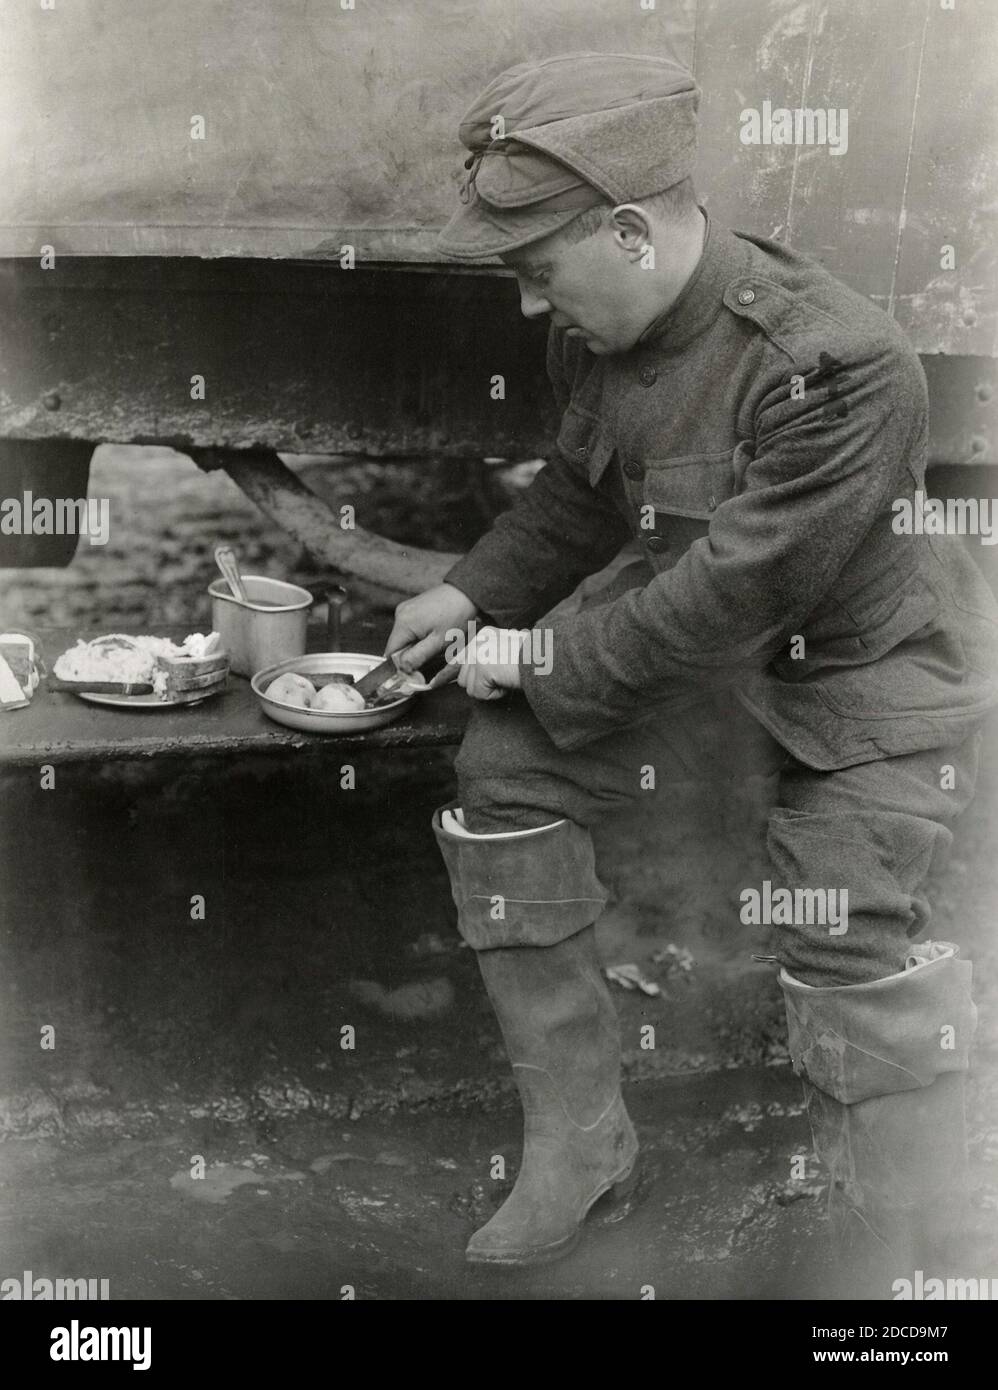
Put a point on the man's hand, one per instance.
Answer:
(428, 621)
(490, 663)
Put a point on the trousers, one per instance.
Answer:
(871, 831)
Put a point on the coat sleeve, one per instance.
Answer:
(558, 531)
(823, 469)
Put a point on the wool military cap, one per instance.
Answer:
(550, 139)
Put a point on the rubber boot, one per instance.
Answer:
(897, 1168)
(562, 1037)
(883, 1067)
(526, 902)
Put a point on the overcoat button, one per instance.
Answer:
(632, 469)
(746, 296)
(657, 544)
(648, 376)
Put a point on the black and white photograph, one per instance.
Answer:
(499, 665)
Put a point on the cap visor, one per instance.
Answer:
(477, 231)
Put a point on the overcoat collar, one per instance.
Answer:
(723, 259)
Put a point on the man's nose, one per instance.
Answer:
(533, 305)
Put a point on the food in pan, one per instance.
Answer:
(338, 698)
(292, 689)
(333, 692)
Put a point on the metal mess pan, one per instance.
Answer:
(314, 667)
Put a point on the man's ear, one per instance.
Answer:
(631, 228)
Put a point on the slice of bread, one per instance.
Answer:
(120, 664)
(177, 675)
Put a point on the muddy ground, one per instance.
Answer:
(365, 1169)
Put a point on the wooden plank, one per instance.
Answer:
(327, 126)
(61, 728)
(322, 125)
(745, 54)
(949, 201)
(845, 209)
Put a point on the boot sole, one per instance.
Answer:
(617, 1189)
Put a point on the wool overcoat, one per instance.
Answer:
(755, 442)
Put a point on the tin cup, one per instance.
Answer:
(264, 631)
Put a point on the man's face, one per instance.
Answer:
(591, 288)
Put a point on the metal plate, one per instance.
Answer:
(150, 701)
(354, 664)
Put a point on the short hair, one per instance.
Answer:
(673, 205)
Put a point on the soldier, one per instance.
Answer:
(763, 418)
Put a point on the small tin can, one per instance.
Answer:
(267, 629)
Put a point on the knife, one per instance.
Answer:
(369, 684)
(388, 670)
